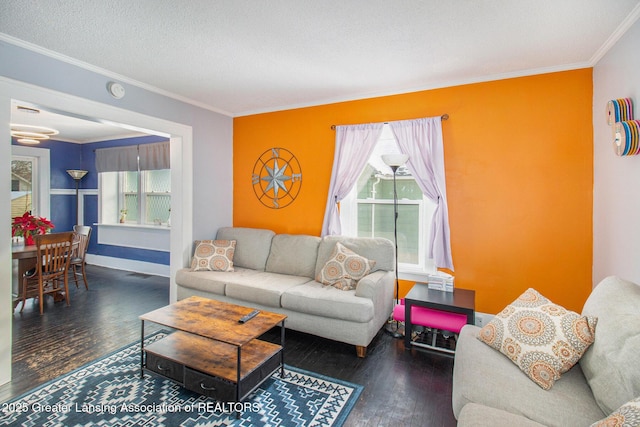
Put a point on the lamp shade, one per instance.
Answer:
(77, 174)
(395, 160)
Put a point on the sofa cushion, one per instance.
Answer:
(485, 376)
(543, 339)
(213, 255)
(293, 254)
(327, 301)
(377, 249)
(211, 281)
(252, 245)
(475, 415)
(262, 288)
(611, 363)
(344, 268)
(626, 415)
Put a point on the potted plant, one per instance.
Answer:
(28, 226)
(123, 216)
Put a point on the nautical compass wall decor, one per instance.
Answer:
(276, 178)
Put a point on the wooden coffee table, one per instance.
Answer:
(210, 352)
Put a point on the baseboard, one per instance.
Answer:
(129, 265)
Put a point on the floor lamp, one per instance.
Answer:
(394, 161)
(77, 175)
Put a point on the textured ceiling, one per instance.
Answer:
(244, 56)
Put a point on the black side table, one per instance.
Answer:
(459, 301)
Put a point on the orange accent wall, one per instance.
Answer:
(519, 173)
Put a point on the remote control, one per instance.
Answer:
(249, 316)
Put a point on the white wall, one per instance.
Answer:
(616, 196)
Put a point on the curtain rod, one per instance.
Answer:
(445, 116)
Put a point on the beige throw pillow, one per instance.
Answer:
(626, 415)
(544, 339)
(344, 268)
(213, 255)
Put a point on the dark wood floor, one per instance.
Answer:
(407, 388)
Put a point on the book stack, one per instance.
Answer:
(440, 281)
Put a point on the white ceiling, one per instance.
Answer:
(78, 130)
(240, 57)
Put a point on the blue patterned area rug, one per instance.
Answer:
(109, 392)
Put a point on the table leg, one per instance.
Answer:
(142, 350)
(407, 325)
(282, 350)
(238, 414)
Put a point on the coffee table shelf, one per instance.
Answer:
(210, 352)
(181, 356)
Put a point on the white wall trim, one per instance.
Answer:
(63, 192)
(72, 192)
(617, 34)
(483, 318)
(129, 265)
(6, 271)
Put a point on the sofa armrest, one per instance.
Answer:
(378, 287)
(373, 284)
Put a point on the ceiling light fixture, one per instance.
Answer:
(28, 141)
(29, 110)
(30, 134)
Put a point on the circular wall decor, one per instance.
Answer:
(276, 178)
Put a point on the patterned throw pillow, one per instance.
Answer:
(544, 339)
(213, 255)
(344, 268)
(626, 415)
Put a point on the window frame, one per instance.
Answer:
(349, 221)
(110, 210)
(40, 186)
(426, 209)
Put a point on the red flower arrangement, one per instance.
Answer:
(29, 225)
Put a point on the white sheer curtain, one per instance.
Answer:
(354, 145)
(421, 139)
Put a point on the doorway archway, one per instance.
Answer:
(181, 161)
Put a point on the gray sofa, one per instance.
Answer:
(490, 390)
(275, 272)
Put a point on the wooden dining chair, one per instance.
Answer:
(50, 273)
(77, 262)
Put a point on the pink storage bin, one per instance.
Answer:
(430, 318)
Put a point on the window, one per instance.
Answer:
(29, 181)
(22, 170)
(143, 197)
(368, 210)
(135, 184)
